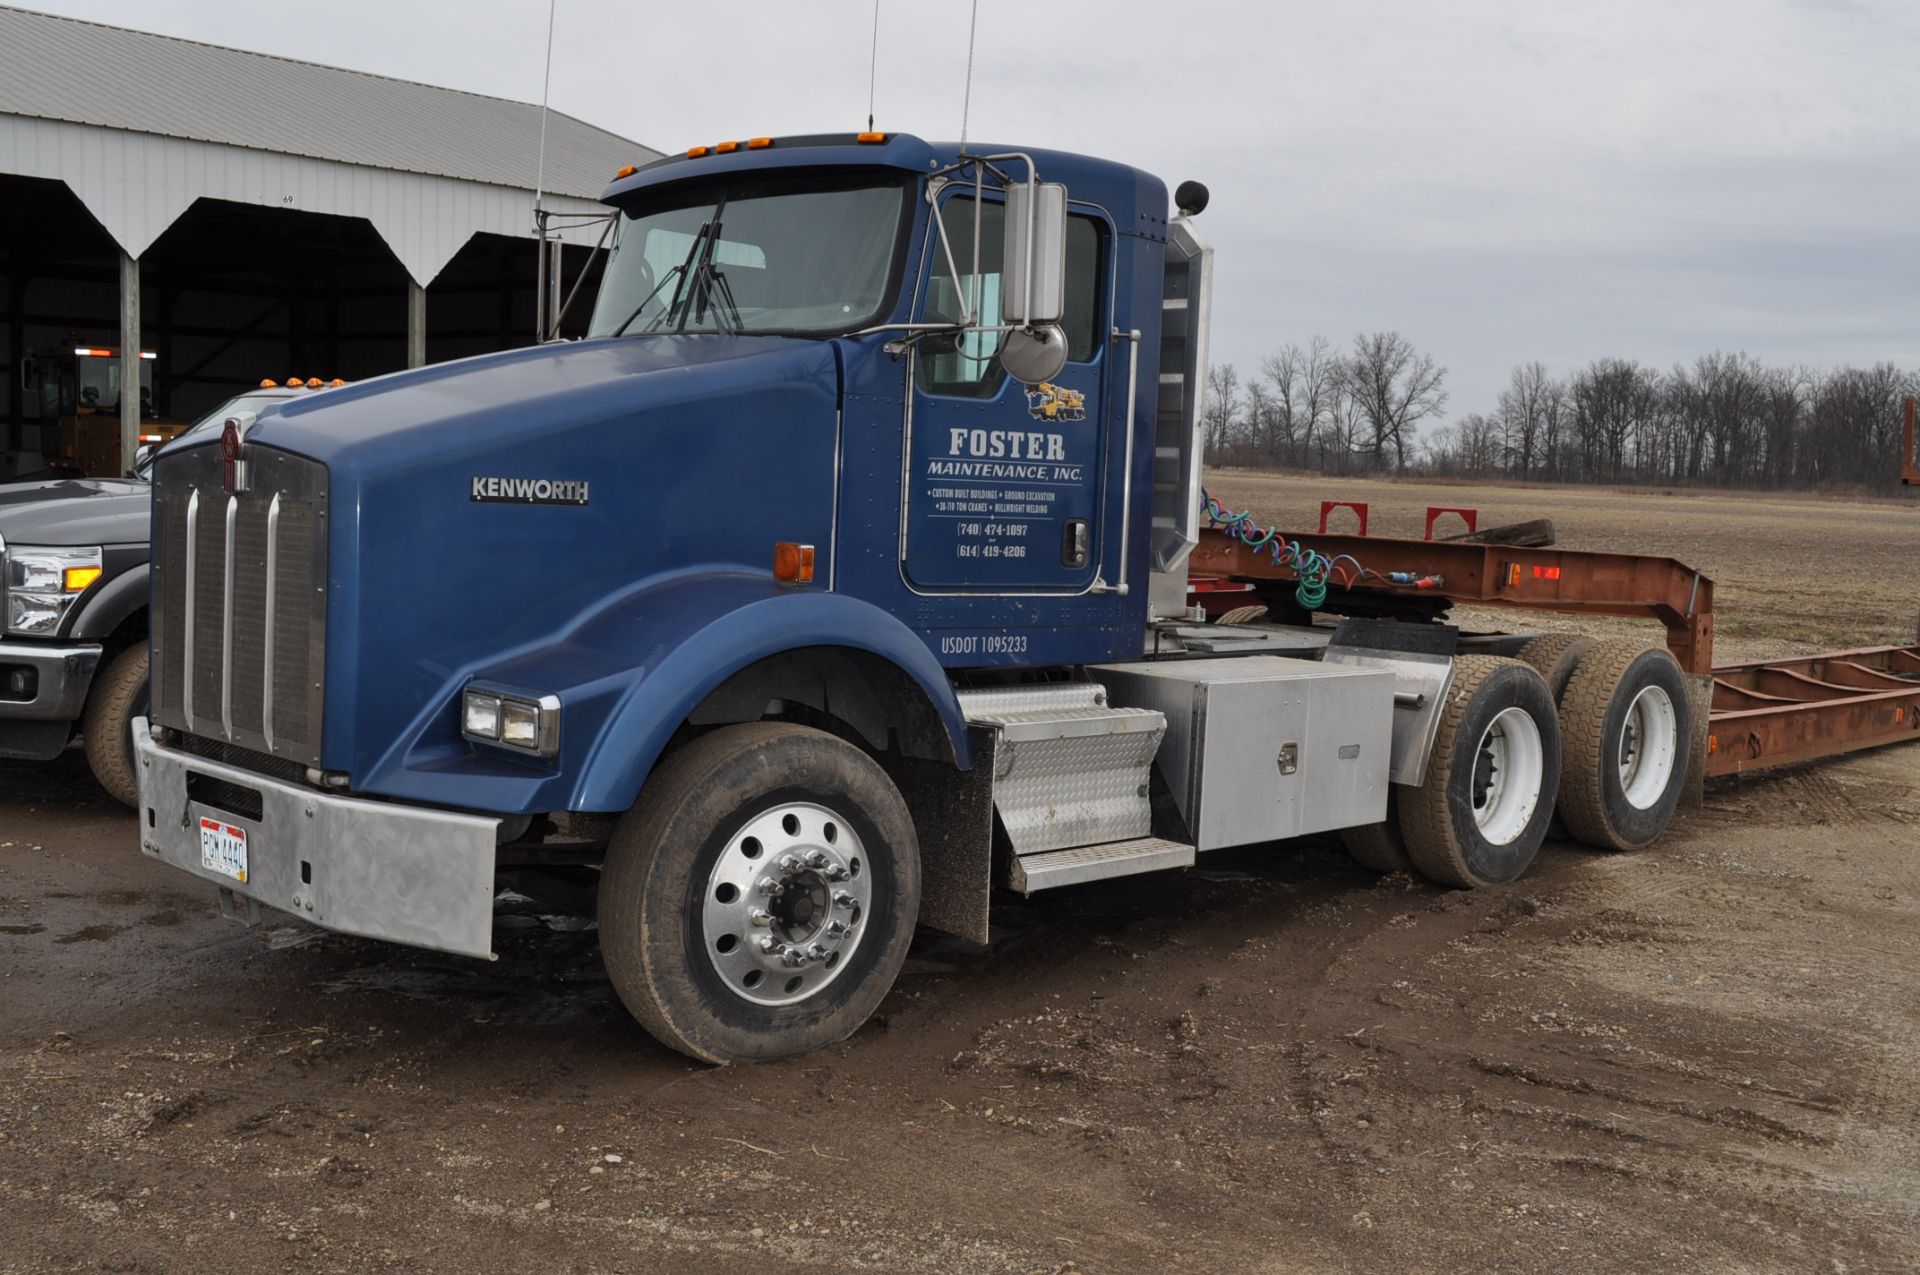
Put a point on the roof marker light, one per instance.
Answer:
(314, 382)
(759, 143)
(627, 170)
(726, 148)
(269, 385)
(695, 152)
(869, 138)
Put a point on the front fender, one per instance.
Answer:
(627, 676)
(714, 630)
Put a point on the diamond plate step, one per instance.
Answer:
(1069, 768)
(1052, 868)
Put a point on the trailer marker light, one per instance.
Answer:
(1512, 574)
(759, 143)
(1713, 744)
(726, 148)
(792, 562)
(695, 152)
(868, 139)
(627, 170)
(78, 578)
(1546, 573)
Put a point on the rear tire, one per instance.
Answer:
(1627, 725)
(1554, 656)
(1379, 846)
(119, 694)
(1482, 812)
(765, 833)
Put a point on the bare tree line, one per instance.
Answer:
(1725, 419)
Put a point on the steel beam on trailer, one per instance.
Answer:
(1776, 712)
(1572, 581)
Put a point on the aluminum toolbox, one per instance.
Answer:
(1263, 747)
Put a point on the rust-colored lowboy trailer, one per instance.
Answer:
(1764, 713)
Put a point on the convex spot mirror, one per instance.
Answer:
(1033, 355)
(1035, 258)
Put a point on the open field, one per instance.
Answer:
(1791, 573)
(1702, 1057)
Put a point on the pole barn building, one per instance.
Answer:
(238, 217)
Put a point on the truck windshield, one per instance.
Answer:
(811, 259)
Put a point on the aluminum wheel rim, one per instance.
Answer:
(1513, 762)
(786, 904)
(1649, 746)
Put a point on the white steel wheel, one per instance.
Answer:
(1629, 730)
(1507, 770)
(1649, 745)
(784, 904)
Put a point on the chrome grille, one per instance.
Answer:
(239, 598)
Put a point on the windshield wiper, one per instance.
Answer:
(678, 272)
(711, 289)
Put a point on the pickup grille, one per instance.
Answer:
(239, 597)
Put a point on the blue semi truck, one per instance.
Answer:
(834, 581)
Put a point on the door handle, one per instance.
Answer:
(1073, 543)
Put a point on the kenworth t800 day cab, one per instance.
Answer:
(837, 579)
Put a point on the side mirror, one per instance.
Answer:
(1035, 254)
(142, 454)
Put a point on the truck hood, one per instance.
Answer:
(75, 511)
(473, 406)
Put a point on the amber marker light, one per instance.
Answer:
(695, 152)
(868, 139)
(726, 148)
(759, 143)
(269, 385)
(626, 171)
(78, 578)
(792, 563)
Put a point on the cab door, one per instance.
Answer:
(1004, 479)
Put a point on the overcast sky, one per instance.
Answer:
(1499, 181)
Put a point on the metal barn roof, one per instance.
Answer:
(58, 68)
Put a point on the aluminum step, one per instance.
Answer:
(1052, 868)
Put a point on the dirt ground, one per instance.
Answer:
(1702, 1057)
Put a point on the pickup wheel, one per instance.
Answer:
(758, 900)
(119, 694)
(1627, 724)
(1482, 812)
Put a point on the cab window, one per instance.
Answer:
(973, 370)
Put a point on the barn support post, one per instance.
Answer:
(416, 325)
(129, 359)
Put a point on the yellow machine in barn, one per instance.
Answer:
(79, 388)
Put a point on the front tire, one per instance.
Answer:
(758, 900)
(119, 694)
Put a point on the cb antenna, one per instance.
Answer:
(546, 85)
(966, 101)
(873, 67)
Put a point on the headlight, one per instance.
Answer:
(524, 723)
(42, 583)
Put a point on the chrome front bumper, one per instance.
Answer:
(373, 868)
(65, 673)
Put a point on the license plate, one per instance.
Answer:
(223, 848)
